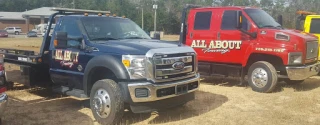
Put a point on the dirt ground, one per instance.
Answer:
(219, 101)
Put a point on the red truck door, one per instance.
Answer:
(201, 30)
(232, 40)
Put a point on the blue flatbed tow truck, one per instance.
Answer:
(110, 60)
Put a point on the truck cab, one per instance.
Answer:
(112, 61)
(309, 22)
(240, 41)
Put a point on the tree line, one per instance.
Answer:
(169, 11)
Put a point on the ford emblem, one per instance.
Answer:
(178, 65)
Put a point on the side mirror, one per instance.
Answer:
(280, 20)
(156, 36)
(239, 19)
(61, 39)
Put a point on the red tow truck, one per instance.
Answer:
(240, 41)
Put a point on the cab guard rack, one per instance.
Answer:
(68, 10)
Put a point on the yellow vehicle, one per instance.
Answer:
(309, 22)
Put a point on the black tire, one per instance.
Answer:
(16, 33)
(293, 82)
(271, 73)
(116, 99)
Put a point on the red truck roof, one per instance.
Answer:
(227, 7)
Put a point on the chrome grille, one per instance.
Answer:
(164, 69)
(312, 50)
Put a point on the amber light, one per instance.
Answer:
(306, 13)
(55, 43)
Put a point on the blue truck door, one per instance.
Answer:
(67, 64)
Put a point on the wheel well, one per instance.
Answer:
(274, 60)
(99, 73)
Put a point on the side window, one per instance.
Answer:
(229, 21)
(70, 26)
(202, 20)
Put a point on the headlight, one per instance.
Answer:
(135, 65)
(295, 58)
(282, 36)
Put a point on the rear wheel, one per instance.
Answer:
(106, 102)
(16, 33)
(262, 77)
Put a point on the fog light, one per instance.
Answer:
(142, 92)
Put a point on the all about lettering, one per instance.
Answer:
(217, 44)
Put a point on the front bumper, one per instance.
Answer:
(302, 72)
(163, 90)
(3, 103)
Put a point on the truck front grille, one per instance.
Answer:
(173, 66)
(312, 50)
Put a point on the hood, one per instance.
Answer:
(300, 34)
(133, 46)
(295, 35)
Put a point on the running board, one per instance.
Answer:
(71, 92)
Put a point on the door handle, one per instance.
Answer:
(218, 35)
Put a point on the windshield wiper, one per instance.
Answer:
(104, 38)
(135, 37)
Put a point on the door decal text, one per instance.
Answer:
(222, 46)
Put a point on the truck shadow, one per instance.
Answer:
(204, 102)
(307, 85)
(223, 81)
(40, 106)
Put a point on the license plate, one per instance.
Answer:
(181, 89)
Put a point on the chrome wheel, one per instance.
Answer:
(259, 77)
(102, 103)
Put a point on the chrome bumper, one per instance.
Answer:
(302, 72)
(3, 103)
(154, 87)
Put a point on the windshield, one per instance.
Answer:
(105, 28)
(261, 18)
(315, 26)
(3, 31)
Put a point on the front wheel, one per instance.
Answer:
(262, 77)
(106, 102)
(16, 33)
